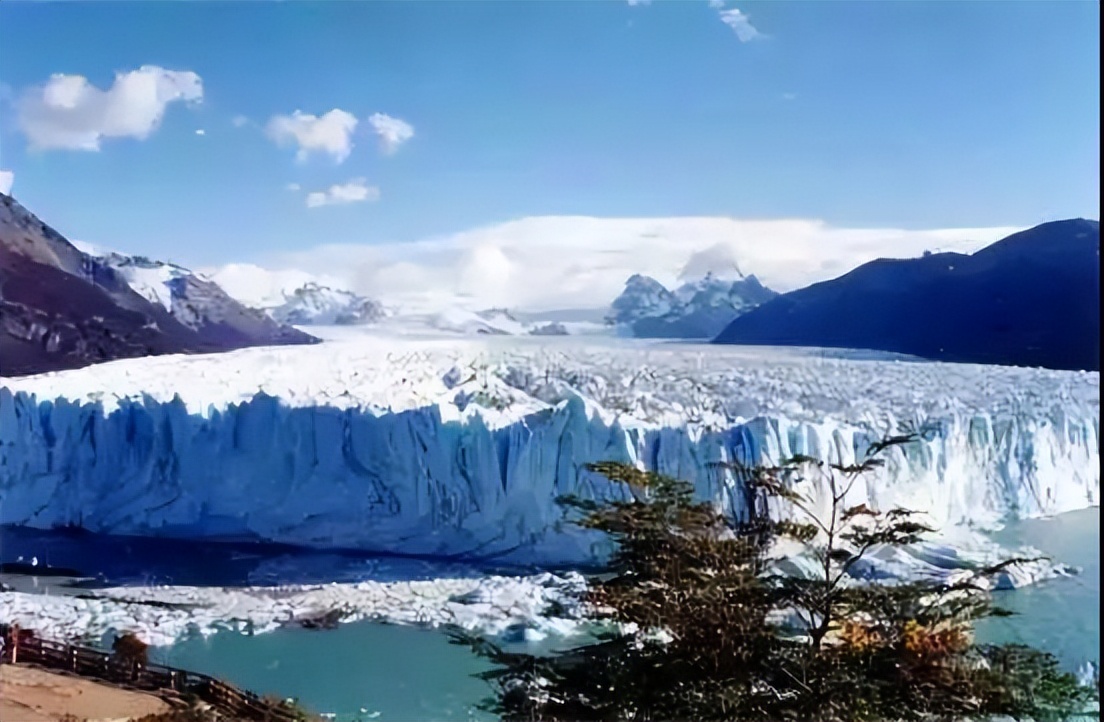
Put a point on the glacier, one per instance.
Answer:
(459, 448)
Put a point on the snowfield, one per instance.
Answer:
(460, 446)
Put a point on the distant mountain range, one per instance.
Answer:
(63, 308)
(489, 322)
(1031, 299)
(314, 304)
(696, 309)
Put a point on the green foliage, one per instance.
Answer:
(128, 648)
(707, 630)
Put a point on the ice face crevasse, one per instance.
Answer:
(414, 481)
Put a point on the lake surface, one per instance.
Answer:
(1063, 615)
(373, 671)
(403, 673)
(359, 671)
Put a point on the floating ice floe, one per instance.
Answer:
(510, 608)
(494, 606)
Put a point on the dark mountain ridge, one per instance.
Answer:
(1031, 299)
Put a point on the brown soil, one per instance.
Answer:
(28, 694)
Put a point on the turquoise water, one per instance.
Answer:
(402, 673)
(1061, 616)
(359, 671)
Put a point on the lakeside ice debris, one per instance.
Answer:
(163, 615)
(511, 608)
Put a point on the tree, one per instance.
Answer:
(130, 650)
(702, 626)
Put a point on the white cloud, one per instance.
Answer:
(240, 121)
(392, 132)
(69, 112)
(634, 3)
(720, 259)
(716, 4)
(547, 263)
(200, 131)
(331, 133)
(355, 191)
(294, 187)
(7, 178)
(740, 24)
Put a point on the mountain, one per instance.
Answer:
(194, 300)
(262, 288)
(304, 299)
(296, 297)
(1031, 299)
(489, 322)
(314, 304)
(63, 308)
(696, 309)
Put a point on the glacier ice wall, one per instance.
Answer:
(425, 480)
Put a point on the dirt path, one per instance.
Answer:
(34, 695)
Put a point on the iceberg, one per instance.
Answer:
(460, 448)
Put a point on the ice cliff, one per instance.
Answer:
(460, 448)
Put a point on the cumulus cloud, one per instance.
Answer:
(330, 134)
(355, 191)
(548, 263)
(720, 259)
(200, 131)
(7, 178)
(740, 24)
(70, 112)
(392, 132)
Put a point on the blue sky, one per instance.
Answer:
(913, 115)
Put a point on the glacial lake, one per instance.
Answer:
(403, 673)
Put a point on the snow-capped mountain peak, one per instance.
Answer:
(192, 298)
(315, 304)
(151, 279)
(698, 308)
(643, 297)
(297, 297)
(718, 291)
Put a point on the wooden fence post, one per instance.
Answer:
(15, 643)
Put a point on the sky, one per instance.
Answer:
(339, 134)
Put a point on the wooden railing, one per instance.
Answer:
(89, 662)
